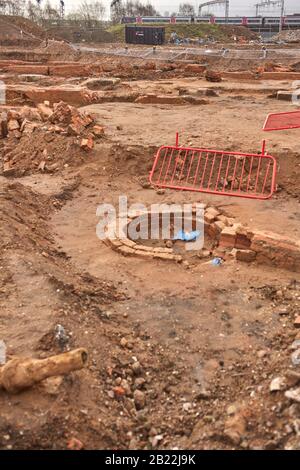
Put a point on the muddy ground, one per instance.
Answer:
(180, 355)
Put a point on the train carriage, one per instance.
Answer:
(272, 22)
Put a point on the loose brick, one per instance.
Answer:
(228, 238)
(163, 250)
(87, 144)
(144, 248)
(45, 111)
(114, 242)
(212, 211)
(98, 131)
(297, 322)
(8, 170)
(248, 256)
(209, 218)
(127, 242)
(225, 220)
(126, 251)
(13, 125)
(242, 241)
(144, 254)
(273, 249)
(165, 256)
(219, 226)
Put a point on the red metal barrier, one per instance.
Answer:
(216, 172)
(282, 121)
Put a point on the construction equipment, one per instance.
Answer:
(246, 175)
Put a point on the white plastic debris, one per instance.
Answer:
(295, 357)
(277, 384)
(2, 352)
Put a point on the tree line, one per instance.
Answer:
(89, 11)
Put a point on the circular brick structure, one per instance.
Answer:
(226, 237)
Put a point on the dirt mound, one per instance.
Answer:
(240, 32)
(28, 26)
(59, 49)
(46, 139)
(16, 31)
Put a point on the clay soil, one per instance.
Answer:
(208, 339)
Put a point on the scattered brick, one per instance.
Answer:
(87, 144)
(125, 250)
(219, 226)
(248, 256)
(98, 131)
(297, 322)
(242, 241)
(13, 125)
(144, 248)
(127, 242)
(228, 238)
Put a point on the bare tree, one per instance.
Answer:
(12, 7)
(91, 11)
(186, 9)
(117, 10)
(50, 13)
(32, 11)
(132, 8)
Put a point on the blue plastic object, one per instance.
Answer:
(187, 236)
(217, 261)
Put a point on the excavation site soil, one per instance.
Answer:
(186, 349)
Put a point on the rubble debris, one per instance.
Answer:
(58, 48)
(60, 133)
(296, 344)
(292, 378)
(61, 337)
(293, 395)
(235, 427)
(87, 144)
(297, 322)
(277, 384)
(45, 111)
(212, 76)
(295, 357)
(290, 36)
(139, 399)
(75, 444)
(21, 373)
(98, 131)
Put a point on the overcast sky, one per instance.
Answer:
(237, 7)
